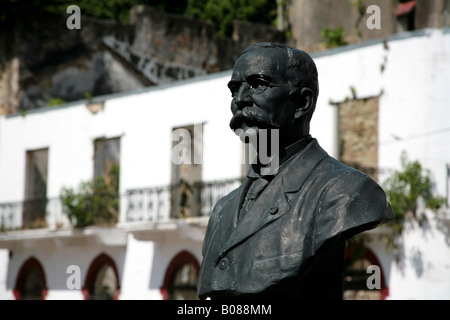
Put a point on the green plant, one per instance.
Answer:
(359, 5)
(403, 189)
(53, 102)
(333, 38)
(223, 12)
(94, 202)
(88, 96)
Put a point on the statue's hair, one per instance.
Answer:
(300, 65)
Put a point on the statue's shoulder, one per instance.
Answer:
(338, 173)
(350, 202)
(225, 201)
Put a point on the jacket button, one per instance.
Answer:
(273, 210)
(223, 264)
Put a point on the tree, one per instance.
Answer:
(224, 12)
(105, 9)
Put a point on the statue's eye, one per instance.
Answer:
(259, 85)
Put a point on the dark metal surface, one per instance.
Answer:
(290, 243)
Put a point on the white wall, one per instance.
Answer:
(4, 260)
(147, 262)
(143, 120)
(139, 262)
(415, 105)
(423, 272)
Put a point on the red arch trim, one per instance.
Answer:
(180, 259)
(94, 268)
(26, 267)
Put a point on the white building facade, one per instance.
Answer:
(152, 252)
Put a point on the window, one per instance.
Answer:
(35, 189)
(186, 157)
(30, 284)
(102, 280)
(180, 281)
(106, 155)
(405, 13)
(358, 135)
(105, 284)
(183, 286)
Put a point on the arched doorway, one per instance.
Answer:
(102, 280)
(356, 275)
(30, 283)
(180, 281)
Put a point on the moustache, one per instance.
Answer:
(252, 118)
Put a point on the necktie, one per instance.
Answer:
(253, 192)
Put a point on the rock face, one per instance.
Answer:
(42, 62)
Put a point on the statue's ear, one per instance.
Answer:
(307, 103)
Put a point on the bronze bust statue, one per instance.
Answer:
(282, 233)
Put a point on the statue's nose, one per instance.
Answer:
(243, 97)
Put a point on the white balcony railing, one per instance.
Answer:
(139, 205)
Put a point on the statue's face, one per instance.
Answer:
(263, 95)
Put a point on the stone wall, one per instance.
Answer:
(58, 64)
(432, 14)
(308, 18)
(358, 135)
(43, 62)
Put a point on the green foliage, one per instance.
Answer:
(403, 189)
(53, 102)
(333, 38)
(437, 202)
(221, 12)
(93, 203)
(359, 5)
(104, 9)
(88, 96)
(224, 12)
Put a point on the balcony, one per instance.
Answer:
(159, 204)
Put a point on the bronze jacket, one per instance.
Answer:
(290, 244)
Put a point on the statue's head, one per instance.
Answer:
(273, 86)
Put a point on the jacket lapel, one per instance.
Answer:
(228, 216)
(273, 203)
